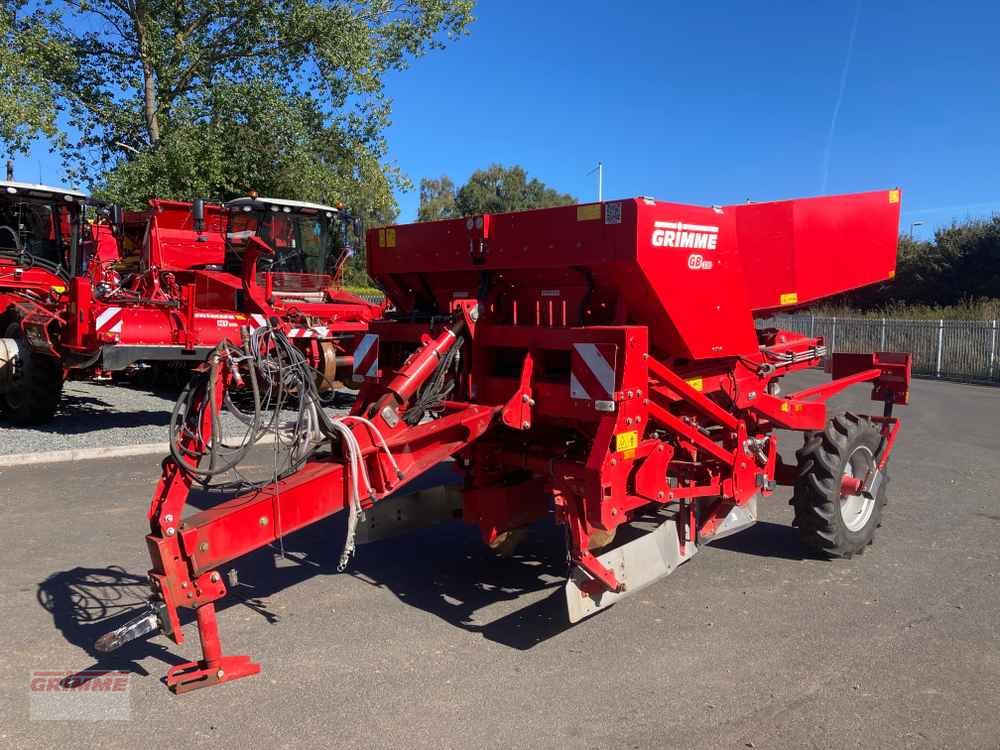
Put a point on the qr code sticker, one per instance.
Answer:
(613, 213)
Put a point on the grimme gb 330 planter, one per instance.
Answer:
(599, 364)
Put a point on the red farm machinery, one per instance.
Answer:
(598, 365)
(164, 285)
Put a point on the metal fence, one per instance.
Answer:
(954, 349)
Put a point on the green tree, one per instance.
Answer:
(437, 199)
(493, 190)
(209, 99)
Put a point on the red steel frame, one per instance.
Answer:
(692, 435)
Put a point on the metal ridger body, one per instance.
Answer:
(599, 365)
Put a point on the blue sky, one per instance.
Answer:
(711, 102)
(717, 102)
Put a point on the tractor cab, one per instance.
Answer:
(306, 237)
(40, 227)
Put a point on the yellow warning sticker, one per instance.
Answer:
(58, 289)
(894, 196)
(390, 238)
(697, 383)
(789, 298)
(590, 212)
(626, 441)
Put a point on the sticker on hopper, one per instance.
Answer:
(592, 372)
(613, 213)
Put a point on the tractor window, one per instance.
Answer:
(314, 243)
(45, 232)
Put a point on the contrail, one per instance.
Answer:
(840, 95)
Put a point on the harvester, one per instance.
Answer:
(605, 366)
(48, 238)
(151, 287)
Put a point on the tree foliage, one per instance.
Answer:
(178, 99)
(492, 190)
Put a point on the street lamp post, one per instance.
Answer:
(600, 180)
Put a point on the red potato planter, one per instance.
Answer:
(596, 363)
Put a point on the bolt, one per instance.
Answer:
(203, 547)
(638, 420)
(190, 595)
(613, 462)
(184, 584)
(614, 512)
(525, 398)
(214, 578)
(659, 495)
(220, 674)
(526, 424)
(644, 356)
(263, 521)
(638, 392)
(628, 421)
(171, 531)
(168, 518)
(629, 394)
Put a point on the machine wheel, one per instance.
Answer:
(34, 396)
(831, 517)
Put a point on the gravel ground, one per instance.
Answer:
(98, 415)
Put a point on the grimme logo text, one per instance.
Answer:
(679, 234)
(88, 681)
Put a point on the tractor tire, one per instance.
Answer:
(34, 396)
(835, 522)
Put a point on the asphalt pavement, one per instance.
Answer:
(430, 641)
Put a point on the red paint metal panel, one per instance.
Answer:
(798, 251)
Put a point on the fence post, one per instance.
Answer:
(833, 336)
(939, 347)
(882, 345)
(993, 350)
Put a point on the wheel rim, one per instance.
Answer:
(855, 508)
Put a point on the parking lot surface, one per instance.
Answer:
(430, 641)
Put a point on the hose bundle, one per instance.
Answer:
(280, 381)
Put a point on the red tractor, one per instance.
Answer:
(596, 365)
(49, 238)
(166, 285)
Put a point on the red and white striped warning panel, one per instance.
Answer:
(319, 332)
(366, 357)
(592, 372)
(109, 320)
